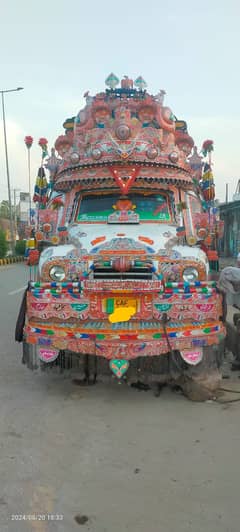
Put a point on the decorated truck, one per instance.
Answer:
(123, 248)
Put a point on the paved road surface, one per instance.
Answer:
(124, 459)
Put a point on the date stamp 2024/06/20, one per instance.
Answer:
(36, 517)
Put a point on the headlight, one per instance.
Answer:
(190, 275)
(57, 273)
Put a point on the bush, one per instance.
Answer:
(20, 247)
(3, 244)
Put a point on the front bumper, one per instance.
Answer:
(70, 316)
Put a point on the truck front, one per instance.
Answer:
(126, 290)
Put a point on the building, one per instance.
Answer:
(230, 214)
(23, 207)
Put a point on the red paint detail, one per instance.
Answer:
(146, 239)
(205, 307)
(159, 209)
(128, 336)
(98, 240)
(39, 306)
(122, 264)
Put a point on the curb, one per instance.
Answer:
(11, 260)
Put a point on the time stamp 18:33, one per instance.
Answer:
(36, 517)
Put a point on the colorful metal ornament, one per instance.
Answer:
(97, 154)
(123, 132)
(112, 81)
(119, 367)
(192, 357)
(191, 240)
(75, 157)
(125, 186)
(152, 152)
(173, 156)
(41, 188)
(140, 83)
(47, 355)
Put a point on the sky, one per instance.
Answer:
(57, 50)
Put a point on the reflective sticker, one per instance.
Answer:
(119, 367)
(192, 356)
(47, 355)
(163, 307)
(79, 307)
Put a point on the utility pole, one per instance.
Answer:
(15, 208)
(14, 200)
(226, 200)
(7, 165)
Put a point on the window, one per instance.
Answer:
(148, 206)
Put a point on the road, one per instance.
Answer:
(121, 459)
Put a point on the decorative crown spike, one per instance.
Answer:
(140, 83)
(112, 81)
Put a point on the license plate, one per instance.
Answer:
(120, 302)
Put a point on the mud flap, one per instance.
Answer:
(29, 356)
(21, 318)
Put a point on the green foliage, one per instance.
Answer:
(4, 209)
(3, 244)
(20, 247)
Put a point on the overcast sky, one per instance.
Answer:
(57, 50)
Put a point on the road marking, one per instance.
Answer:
(42, 506)
(16, 291)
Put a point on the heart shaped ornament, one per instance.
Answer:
(47, 355)
(119, 367)
(193, 356)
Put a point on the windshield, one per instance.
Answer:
(148, 207)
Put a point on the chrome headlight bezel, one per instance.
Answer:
(57, 273)
(190, 274)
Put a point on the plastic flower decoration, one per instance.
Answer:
(57, 203)
(43, 144)
(55, 240)
(207, 147)
(33, 257)
(39, 236)
(47, 227)
(28, 141)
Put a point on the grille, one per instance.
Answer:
(144, 272)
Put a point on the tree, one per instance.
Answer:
(20, 247)
(4, 209)
(3, 244)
